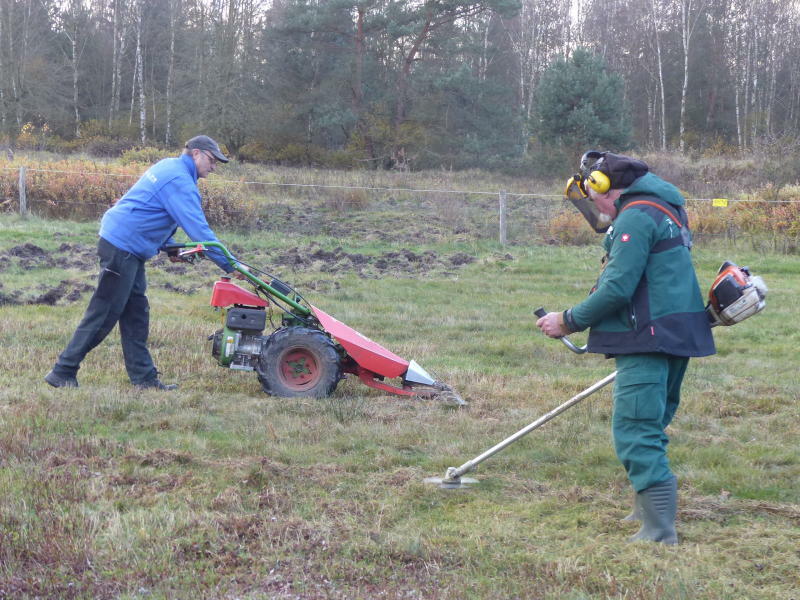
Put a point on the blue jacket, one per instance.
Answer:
(647, 298)
(165, 198)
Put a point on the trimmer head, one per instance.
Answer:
(451, 480)
(451, 484)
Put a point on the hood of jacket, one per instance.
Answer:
(652, 185)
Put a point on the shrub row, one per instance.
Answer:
(298, 155)
(84, 190)
(783, 218)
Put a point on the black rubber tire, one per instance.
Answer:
(299, 362)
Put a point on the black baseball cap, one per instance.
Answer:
(203, 142)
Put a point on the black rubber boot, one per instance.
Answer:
(658, 506)
(636, 513)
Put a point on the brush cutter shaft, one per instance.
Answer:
(470, 465)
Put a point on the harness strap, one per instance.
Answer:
(683, 240)
(663, 209)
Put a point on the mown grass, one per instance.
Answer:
(218, 491)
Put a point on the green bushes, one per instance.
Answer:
(148, 155)
(298, 155)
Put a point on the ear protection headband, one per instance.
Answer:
(592, 163)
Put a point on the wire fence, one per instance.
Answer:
(438, 214)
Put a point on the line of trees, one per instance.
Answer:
(455, 83)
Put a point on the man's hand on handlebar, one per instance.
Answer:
(552, 325)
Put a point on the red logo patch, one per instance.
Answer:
(625, 237)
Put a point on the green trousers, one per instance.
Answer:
(646, 395)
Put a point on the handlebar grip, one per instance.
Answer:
(540, 312)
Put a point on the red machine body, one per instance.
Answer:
(307, 354)
(226, 293)
(371, 359)
(368, 354)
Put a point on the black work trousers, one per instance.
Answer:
(119, 298)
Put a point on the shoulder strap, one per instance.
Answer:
(685, 238)
(660, 207)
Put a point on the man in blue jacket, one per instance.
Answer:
(131, 232)
(646, 311)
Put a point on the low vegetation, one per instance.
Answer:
(218, 491)
(247, 196)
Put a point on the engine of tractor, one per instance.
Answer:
(239, 344)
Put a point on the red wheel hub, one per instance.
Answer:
(299, 369)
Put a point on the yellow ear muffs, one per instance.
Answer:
(599, 182)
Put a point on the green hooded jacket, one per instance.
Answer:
(647, 298)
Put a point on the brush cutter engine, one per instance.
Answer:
(735, 295)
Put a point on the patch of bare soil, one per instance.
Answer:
(66, 291)
(82, 257)
(402, 262)
(313, 258)
(27, 256)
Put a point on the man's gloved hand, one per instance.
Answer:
(552, 325)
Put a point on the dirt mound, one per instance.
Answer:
(82, 257)
(67, 290)
(402, 262)
(27, 250)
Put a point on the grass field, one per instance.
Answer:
(219, 491)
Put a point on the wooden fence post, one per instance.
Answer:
(23, 200)
(503, 230)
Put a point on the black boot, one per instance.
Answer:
(60, 381)
(156, 384)
(636, 512)
(658, 505)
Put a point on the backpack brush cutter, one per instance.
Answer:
(310, 351)
(734, 296)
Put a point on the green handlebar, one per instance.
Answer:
(302, 310)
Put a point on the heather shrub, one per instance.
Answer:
(84, 190)
(705, 218)
(570, 228)
(70, 189)
(228, 206)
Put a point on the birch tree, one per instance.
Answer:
(692, 11)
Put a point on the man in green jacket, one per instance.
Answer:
(646, 311)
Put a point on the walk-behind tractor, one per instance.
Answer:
(309, 351)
